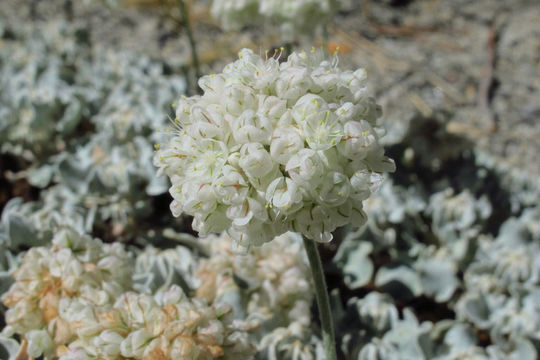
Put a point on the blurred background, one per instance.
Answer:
(447, 267)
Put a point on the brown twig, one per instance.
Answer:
(381, 58)
(487, 81)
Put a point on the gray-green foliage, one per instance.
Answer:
(85, 118)
(503, 284)
(155, 269)
(8, 347)
(429, 242)
(40, 106)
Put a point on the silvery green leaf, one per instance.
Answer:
(524, 229)
(457, 216)
(438, 278)
(6, 279)
(392, 278)
(237, 300)
(9, 348)
(71, 117)
(392, 203)
(358, 268)
(477, 308)
(377, 350)
(155, 269)
(460, 337)
(73, 174)
(41, 176)
(521, 349)
(410, 338)
(518, 316)
(20, 233)
(506, 264)
(376, 311)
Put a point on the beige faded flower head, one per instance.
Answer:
(273, 147)
(74, 267)
(167, 326)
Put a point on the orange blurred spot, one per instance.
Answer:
(341, 48)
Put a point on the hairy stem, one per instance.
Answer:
(323, 302)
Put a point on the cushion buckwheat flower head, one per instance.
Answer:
(75, 266)
(273, 147)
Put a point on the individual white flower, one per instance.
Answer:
(359, 137)
(75, 352)
(283, 194)
(286, 142)
(231, 186)
(306, 168)
(252, 127)
(272, 147)
(135, 344)
(39, 342)
(255, 160)
(108, 342)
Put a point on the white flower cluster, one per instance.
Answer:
(166, 326)
(301, 16)
(75, 266)
(272, 281)
(273, 147)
